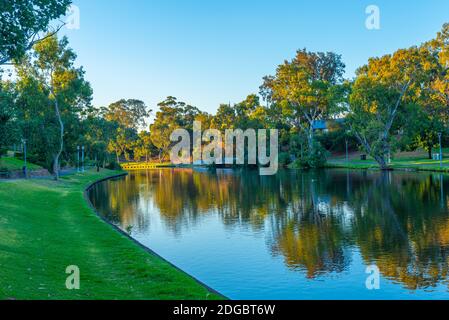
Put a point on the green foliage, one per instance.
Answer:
(173, 115)
(21, 22)
(307, 88)
(8, 128)
(384, 90)
(113, 165)
(131, 113)
(335, 140)
(284, 159)
(312, 159)
(52, 96)
(396, 102)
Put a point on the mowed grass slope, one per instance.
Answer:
(406, 160)
(46, 226)
(16, 164)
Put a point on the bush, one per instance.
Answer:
(113, 165)
(335, 141)
(312, 161)
(3, 151)
(4, 172)
(284, 159)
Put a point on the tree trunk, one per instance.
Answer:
(56, 166)
(430, 152)
(380, 159)
(383, 165)
(310, 139)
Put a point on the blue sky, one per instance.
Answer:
(211, 52)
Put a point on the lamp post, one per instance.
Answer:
(77, 158)
(25, 171)
(441, 149)
(82, 159)
(348, 132)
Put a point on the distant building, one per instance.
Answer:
(327, 125)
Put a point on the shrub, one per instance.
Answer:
(284, 159)
(113, 165)
(316, 159)
(4, 172)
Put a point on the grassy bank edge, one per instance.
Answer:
(137, 243)
(46, 225)
(398, 167)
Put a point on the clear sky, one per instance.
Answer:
(211, 52)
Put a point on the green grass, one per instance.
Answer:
(47, 225)
(418, 163)
(16, 164)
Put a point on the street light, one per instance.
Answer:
(441, 149)
(24, 142)
(77, 158)
(348, 132)
(82, 159)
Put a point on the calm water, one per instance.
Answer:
(294, 235)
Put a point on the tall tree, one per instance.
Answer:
(51, 67)
(8, 127)
(23, 23)
(130, 115)
(143, 146)
(383, 89)
(172, 115)
(306, 88)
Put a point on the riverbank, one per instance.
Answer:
(47, 226)
(412, 164)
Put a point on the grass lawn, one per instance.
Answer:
(16, 164)
(415, 161)
(47, 225)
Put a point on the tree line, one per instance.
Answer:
(397, 102)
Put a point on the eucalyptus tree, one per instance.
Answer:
(386, 90)
(306, 89)
(23, 23)
(143, 146)
(130, 115)
(172, 115)
(8, 125)
(61, 87)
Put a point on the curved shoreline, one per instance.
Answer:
(147, 249)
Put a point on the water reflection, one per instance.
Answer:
(314, 221)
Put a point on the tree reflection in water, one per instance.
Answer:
(398, 221)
